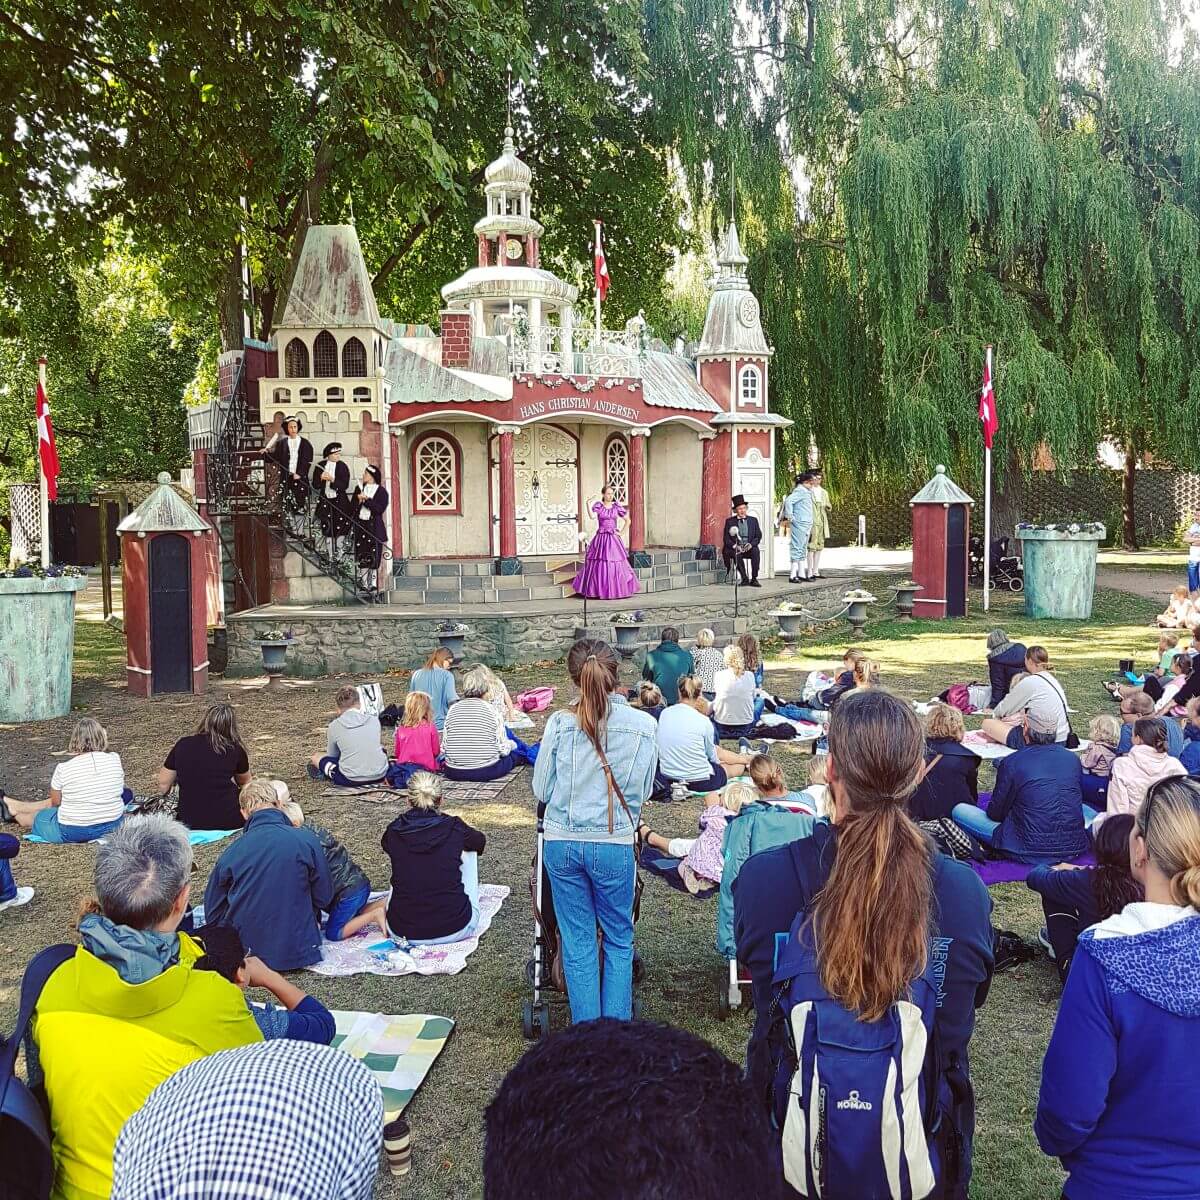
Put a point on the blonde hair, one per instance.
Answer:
(818, 770)
(418, 710)
(1180, 592)
(736, 794)
(1193, 710)
(766, 773)
(1168, 821)
(476, 685)
(705, 638)
(866, 672)
(649, 694)
(293, 812)
(88, 737)
(852, 655)
(425, 790)
(1167, 639)
(493, 680)
(347, 698)
(258, 793)
(441, 657)
(945, 721)
(735, 660)
(691, 691)
(1106, 730)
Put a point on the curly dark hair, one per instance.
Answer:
(1112, 884)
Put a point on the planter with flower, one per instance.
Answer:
(1060, 568)
(627, 626)
(453, 635)
(792, 619)
(273, 645)
(906, 592)
(856, 601)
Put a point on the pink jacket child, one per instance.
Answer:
(417, 738)
(1132, 775)
(706, 857)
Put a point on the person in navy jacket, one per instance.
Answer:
(1005, 660)
(875, 757)
(1117, 1102)
(271, 884)
(952, 777)
(1036, 813)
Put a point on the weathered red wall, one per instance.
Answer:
(929, 559)
(717, 482)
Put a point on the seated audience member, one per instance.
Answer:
(1104, 733)
(707, 660)
(128, 1010)
(1190, 754)
(1005, 660)
(1122, 1057)
(815, 796)
(951, 770)
(301, 1019)
(747, 643)
(87, 792)
(733, 707)
(417, 741)
(285, 1118)
(1180, 612)
(1176, 681)
(436, 680)
(210, 766)
(1168, 649)
(354, 754)
(1176, 687)
(11, 896)
(351, 909)
(608, 1074)
(1133, 710)
(872, 920)
(497, 694)
(702, 858)
(1076, 898)
(271, 883)
(863, 674)
(1146, 763)
(767, 776)
(687, 749)
(1039, 694)
(435, 869)
(475, 745)
(649, 699)
(666, 664)
(843, 682)
(1036, 812)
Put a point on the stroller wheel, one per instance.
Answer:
(529, 1027)
(542, 1013)
(1016, 584)
(639, 1009)
(723, 1007)
(529, 970)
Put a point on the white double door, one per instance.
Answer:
(755, 479)
(546, 475)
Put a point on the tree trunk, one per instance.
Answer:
(1009, 491)
(231, 314)
(1128, 506)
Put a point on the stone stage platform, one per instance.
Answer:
(335, 638)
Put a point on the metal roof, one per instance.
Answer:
(669, 381)
(332, 286)
(733, 324)
(941, 489)
(414, 370)
(164, 511)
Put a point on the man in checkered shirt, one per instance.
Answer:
(288, 1120)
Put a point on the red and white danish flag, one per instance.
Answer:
(600, 264)
(47, 450)
(988, 416)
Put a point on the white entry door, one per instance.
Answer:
(755, 481)
(546, 473)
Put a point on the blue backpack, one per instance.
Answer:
(851, 1097)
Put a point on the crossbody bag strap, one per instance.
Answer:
(39, 970)
(929, 767)
(1062, 699)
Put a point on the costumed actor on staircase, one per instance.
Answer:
(606, 573)
(293, 455)
(331, 479)
(370, 532)
(740, 541)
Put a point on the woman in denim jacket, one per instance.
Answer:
(589, 760)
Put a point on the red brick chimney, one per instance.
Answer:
(456, 339)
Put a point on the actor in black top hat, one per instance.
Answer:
(740, 540)
(293, 455)
(331, 480)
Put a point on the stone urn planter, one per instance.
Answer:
(37, 644)
(905, 596)
(790, 624)
(856, 604)
(1060, 569)
(454, 639)
(274, 657)
(627, 637)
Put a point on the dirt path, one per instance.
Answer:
(1151, 584)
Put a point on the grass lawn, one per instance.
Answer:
(675, 934)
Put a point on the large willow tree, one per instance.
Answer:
(929, 177)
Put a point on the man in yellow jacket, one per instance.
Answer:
(127, 1011)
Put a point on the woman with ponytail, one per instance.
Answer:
(1118, 1083)
(594, 770)
(880, 899)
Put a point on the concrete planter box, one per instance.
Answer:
(37, 644)
(1060, 571)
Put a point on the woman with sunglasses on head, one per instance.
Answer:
(1118, 1082)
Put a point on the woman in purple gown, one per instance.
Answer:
(606, 573)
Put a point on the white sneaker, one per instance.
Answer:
(23, 896)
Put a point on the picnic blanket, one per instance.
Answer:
(196, 837)
(984, 747)
(666, 867)
(366, 954)
(1002, 871)
(454, 791)
(397, 1050)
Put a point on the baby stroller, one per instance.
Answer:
(544, 971)
(1005, 569)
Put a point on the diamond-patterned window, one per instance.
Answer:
(325, 356)
(436, 476)
(616, 468)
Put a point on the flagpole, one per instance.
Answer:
(987, 499)
(43, 486)
(596, 297)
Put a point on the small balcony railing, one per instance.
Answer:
(590, 351)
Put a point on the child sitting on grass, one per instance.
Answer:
(767, 775)
(1191, 738)
(1104, 733)
(1180, 612)
(301, 1019)
(649, 699)
(703, 856)
(417, 741)
(351, 909)
(1168, 648)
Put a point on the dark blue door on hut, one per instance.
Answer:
(956, 561)
(170, 614)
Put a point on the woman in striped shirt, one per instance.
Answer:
(474, 744)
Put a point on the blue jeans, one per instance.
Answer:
(731, 732)
(46, 826)
(714, 783)
(348, 907)
(497, 770)
(975, 821)
(328, 766)
(592, 882)
(8, 885)
(1193, 575)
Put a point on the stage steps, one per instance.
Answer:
(473, 581)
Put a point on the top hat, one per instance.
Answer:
(739, 499)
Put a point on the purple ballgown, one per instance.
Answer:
(606, 573)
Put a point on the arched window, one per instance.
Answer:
(354, 359)
(750, 386)
(308, 395)
(295, 360)
(437, 476)
(334, 395)
(616, 467)
(325, 356)
(362, 395)
(282, 395)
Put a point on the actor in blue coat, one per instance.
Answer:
(271, 884)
